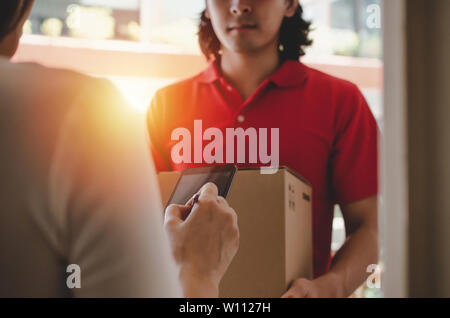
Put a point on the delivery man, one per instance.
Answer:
(327, 132)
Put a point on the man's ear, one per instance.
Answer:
(291, 8)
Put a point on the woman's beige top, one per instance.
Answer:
(79, 200)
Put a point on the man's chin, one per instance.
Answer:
(247, 48)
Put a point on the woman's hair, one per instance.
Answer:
(11, 13)
(293, 38)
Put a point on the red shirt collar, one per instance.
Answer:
(290, 74)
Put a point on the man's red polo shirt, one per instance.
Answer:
(327, 133)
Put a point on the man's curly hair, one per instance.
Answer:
(293, 38)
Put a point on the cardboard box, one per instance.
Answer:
(275, 224)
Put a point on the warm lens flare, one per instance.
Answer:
(139, 91)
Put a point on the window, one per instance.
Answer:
(346, 27)
(159, 22)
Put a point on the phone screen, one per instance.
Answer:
(192, 180)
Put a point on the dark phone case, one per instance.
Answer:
(232, 169)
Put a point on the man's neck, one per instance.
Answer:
(247, 71)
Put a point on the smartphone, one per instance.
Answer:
(193, 179)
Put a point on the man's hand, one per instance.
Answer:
(349, 266)
(302, 288)
(322, 287)
(203, 244)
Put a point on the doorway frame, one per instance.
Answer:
(394, 153)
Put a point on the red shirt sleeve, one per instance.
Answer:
(155, 126)
(354, 158)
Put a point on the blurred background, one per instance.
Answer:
(72, 33)
(143, 45)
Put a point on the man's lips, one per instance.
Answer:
(241, 27)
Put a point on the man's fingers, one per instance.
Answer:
(288, 293)
(209, 190)
(222, 201)
(175, 214)
(297, 289)
(293, 294)
(191, 201)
